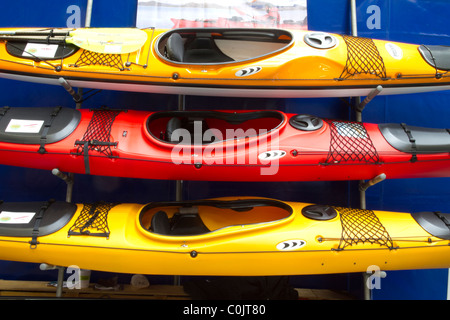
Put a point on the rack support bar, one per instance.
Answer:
(69, 89)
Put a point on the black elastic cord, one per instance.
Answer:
(3, 111)
(412, 141)
(37, 222)
(443, 218)
(47, 128)
(86, 145)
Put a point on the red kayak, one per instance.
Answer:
(236, 22)
(218, 145)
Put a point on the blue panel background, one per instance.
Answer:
(421, 21)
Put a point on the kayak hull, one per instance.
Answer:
(292, 245)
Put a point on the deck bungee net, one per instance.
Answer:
(350, 142)
(93, 220)
(363, 57)
(361, 226)
(89, 58)
(98, 135)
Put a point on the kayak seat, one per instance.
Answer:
(416, 139)
(179, 224)
(172, 125)
(198, 50)
(183, 224)
(204, 50)
(160, 223)
(437, 56)
(174, 49)
(190, 127)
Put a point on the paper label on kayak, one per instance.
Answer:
(112, 48)
(290, 245)
(40, 50)
(24, 126)
(16, 217)
(394, 50)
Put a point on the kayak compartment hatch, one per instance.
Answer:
(33, 125)
(437, 56)
(319, 212)
(435, 223)
(412, 139)
(215, 46)
(306, 122)
(203, 127)
(187, 218)
(19, 219)
(30, 50)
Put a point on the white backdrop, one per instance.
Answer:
(218, 13)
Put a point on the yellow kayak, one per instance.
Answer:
(237, 62)
(224, 236)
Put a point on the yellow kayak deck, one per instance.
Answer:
(237, 62)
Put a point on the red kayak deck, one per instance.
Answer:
(218, 145)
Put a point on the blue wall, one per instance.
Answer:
(419, 21)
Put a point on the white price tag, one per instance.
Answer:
(16, 217)
(40, 50)
(24, 126)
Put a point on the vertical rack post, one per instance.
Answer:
(179, 183)
(68, 179)
(359, 107)
(358, 115)
(357, 100)
(87, 24)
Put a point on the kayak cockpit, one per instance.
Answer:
(204, 127)
(215, 45)
(190, 218)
